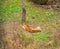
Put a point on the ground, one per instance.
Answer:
(15, 37)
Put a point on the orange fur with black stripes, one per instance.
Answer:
(28, 28)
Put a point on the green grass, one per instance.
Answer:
(10, 8)
(11, 11)
(41, 37)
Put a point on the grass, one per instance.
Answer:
(41, 37)
(54, 44)
(11, 11)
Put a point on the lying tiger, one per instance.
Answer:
(28, 28)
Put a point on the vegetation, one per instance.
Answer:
(10, 14)
(42, 2)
